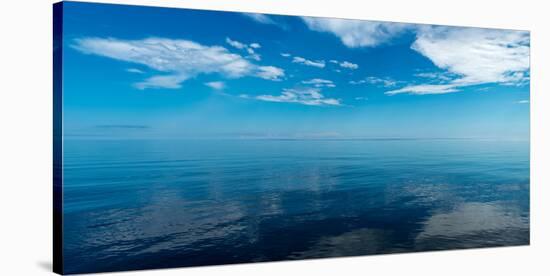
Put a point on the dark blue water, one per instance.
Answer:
(141, 204)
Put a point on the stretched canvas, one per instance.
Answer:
(195, 137)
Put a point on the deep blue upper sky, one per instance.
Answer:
(133, 72)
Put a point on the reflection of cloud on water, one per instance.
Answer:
(357, 242)
(166, 222)
(425, 193)
(475, 224)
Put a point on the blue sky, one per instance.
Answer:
(143, 72)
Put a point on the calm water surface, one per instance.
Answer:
(139, 204)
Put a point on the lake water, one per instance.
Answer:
(140, 204)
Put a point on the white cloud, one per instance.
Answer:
(320, 83)
(249, 48)
(349, 65)
(321, 63)
(217, 85)
(357, 33)
(134, 70)
(301, 60)
(344, 64)
(385, 82)
(178, 59)
(234, 43)
(270, 73)
(474, 56)
(436, 76)
(305, 96)
(477, 55)
(255, 57)
(425, 89)
(162, 81)
(260, 18)
(523, 102)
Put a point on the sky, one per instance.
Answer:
(146, 72)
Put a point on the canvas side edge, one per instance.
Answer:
(58, 137)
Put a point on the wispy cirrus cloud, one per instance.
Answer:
(384, 82)
(249, 48)
(425, 89)
(217, 85)
(270, 73)
(436, 77)
(345, 64)
(304, 61)
(162, 81)
(357, 33)
(134, 70)
(267, 20)
(349, 65)
(319, 83)
(260, 18)
(523, 102)
(305, 96)
(176, 60)
(471, 56)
